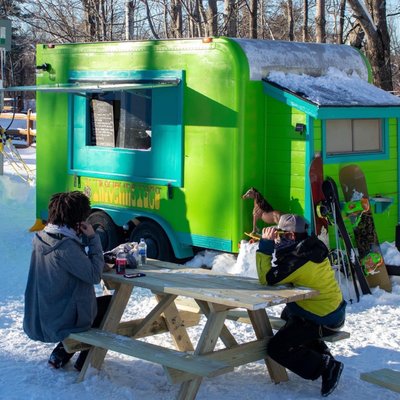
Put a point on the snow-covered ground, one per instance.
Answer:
(374, 324)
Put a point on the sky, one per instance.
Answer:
(24, 374)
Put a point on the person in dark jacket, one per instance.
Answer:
(66, 262)
(287, 255)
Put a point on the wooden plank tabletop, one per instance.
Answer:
(201, 284)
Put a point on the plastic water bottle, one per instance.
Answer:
(120, 262)
(142, 250)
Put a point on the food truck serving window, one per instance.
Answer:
(132, 133)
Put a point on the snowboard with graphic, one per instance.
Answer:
(318, 200)
(329, 189)
(354, 187)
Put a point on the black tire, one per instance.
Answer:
(105, 228)
(158, 245)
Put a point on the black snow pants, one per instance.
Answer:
(298, 347)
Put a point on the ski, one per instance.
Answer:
(321, 219)
(329, 189)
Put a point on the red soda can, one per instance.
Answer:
(120, 263)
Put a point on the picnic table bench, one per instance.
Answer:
(219, 297)
(241, 315)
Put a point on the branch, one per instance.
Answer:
(364, 17)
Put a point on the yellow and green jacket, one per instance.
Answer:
(306, 264)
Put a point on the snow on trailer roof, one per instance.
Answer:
(335, 89)
(313, 59)
(327, 75)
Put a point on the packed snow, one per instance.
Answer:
(335, 88)
(373, 324)
(314, 59)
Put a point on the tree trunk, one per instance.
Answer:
(290, 20)
(253, 18)
(196, 18)
(176, 18)
(305, 21)
(342, 10)
(378, 41)
(320, 21)
(149, 19)
(212, 15)
(103, 21)
(230, 18)
(90, 20)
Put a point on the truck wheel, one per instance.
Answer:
(158, 245)
(105, 228)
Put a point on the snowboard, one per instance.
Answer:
(330, 191)
(318, 200)
(354, 187)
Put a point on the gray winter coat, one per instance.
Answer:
(59, 296)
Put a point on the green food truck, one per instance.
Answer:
(165, 136)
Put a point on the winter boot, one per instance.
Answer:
(59, 357)
(330, 376)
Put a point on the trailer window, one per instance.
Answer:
(350, 136)
(127, 126)
(121, 119)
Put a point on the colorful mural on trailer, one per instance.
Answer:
(122, 194)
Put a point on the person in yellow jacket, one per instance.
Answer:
(287, 255)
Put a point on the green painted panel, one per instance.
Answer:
(51, 149)
(286, 154)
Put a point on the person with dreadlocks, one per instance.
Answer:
(66, 262)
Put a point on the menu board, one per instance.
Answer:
(102, 123)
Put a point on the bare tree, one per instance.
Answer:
(193, 9)
(253, 9)
(377, 48)
(320, 21)
(305, 34)
(290, 20)
(150, 19)
(90, 20)
(212, 18)
(75, 20)
(176, 18)
(98, 20)
(129, 15)
(342, 11)
(230, 18)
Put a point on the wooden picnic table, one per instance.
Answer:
(215, 296)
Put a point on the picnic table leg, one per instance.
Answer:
(208, 340)
(110, 323)
(226, 336)
(154, 314)
(176, 327)
(262, 328)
